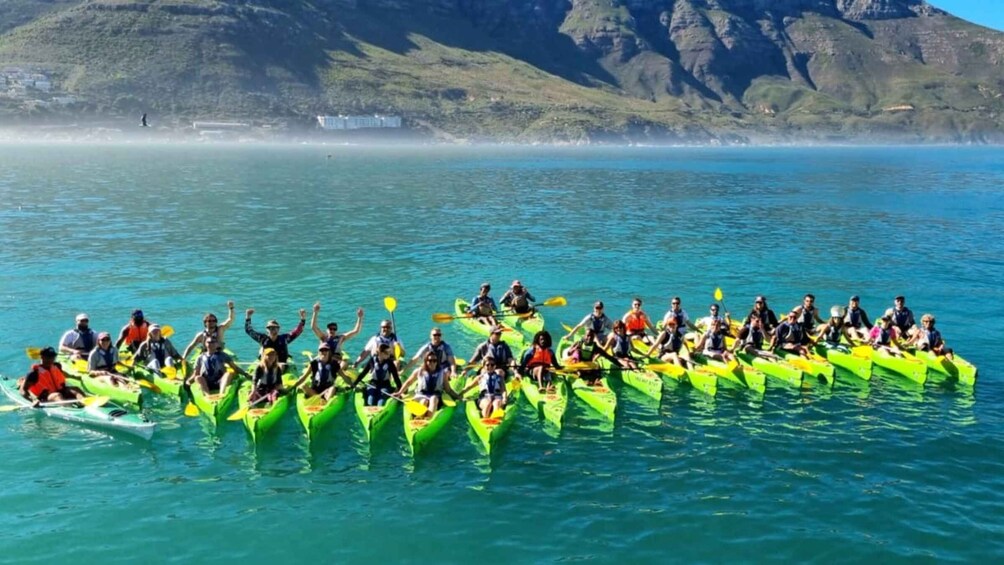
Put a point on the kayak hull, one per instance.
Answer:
(778, 369)
(843, 358)
(510, 334)
(599, 397)
(490, 430)
(703, 381)
(958, 368)
(748, 377)
(314, 413)
(214, 405)
(128, 393)
(373, 418)
(552, 405)
(262, 417)
(110, 417)
(814, 366)
(910, 367)
(643, 380)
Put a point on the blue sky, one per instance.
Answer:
(989, 13)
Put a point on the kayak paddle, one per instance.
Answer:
(191, 410)
(95, 401)
(390, 303)
(721, 298)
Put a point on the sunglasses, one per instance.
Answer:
(437, 335)
(105, 339)
(675, 303)
(384, 327)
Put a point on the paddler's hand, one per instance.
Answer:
(248, 312)
(303, 314)
(230, 304)
(317, 307)
(359, 312)
(36, 403)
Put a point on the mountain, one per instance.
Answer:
(521, 70)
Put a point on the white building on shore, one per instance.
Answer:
(358, 122)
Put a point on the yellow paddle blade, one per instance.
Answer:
(307, 354)
(416, 408)
(397, 350)
(671, 368)
(555, 301)
(33, 352)
(580, 366)
(733, 365)
(442, 317)
(447, 401)
(390, 303)
(147, 384)
(238, 415)
(170, 373)
(568, 329)
(80, 365)
(498, 413)
(166, 331)
(11, 407)
(96, 401)
(800, 363)
(460, 360)
(862, 350)
(191, 410)
(718, 294)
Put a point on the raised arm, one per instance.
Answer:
(354, 331)
(313, 322)
(230, 317)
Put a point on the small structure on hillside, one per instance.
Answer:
(358, 122)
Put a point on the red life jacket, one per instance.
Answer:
(49, 381)
(541, 357)
(136, 334)
(635, 321)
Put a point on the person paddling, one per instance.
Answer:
(211, 368)
(495, 348)
(726, 321)
(596, 320)
(383, 368)
(78, 342)
(134, 333)
(789, 336)
(518, 299)
(320, 374)
(385, 336)
(211, 328)
(618, 344)
(885, 337)
(637, 322)
(856, 319)
(538, 361)
(273, 339)
(482, 307)
(438, 347)
(929, 338)
(267, 380)
(45, 382)
(431, 380)
(492, 393)
(670, 345)
(586, 350)
(157, 351)
(335, 341)
(103, 361)
(712, 343)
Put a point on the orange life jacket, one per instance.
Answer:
(541, 357)
(136, 334)
(49, 381)
(635, 321)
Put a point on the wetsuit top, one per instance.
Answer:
(930, 339)
(833, 334)
(856, 317)
(806, 318)
(373, 345)
(160, 350)
(443, 352)
(212, 366)
(601, 324)
(334, 343)
(669, 342)
(622, 347)
(382, 371)
(789, 333)
(322, 375)
(267, 379)
(754, 338)
(499, 351)
(482, 306)
(80, 340)
(281, 342)
(103, 359)
(903, 319)
(491, 383)
(882, 336)
(681, 319)
(714, 342)
(767, 318)
(520, 303)
(430, 383)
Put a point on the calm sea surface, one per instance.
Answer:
(866, 472)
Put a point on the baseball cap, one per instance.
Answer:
(47, 353)
(855, 298)
(598, 304)
(268, 351)
(103, 335)
(496, 329)
(517, 283)
(137, 313)
(81, 317)
(153, 328)
(272, 324)
(324, 347)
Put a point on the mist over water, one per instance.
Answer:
(872, 471)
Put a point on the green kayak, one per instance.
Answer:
(76, 373)
(702, 380)
(315, 412)
(491, 430)
(813, 366)
(215, 405)
(777, 368)
(957, 368)
(528, 324)
(420, 431)
(746, 377)
(108, 417)
(843, 358)
(510, 335)
(907, 366)
(263, 416)
(372, 418)
(641, 379)
(599, 397)
(168, 386)
(551, 404)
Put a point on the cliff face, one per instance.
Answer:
(528, 66)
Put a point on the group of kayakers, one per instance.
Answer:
(381, 364)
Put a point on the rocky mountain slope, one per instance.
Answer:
(524, 70)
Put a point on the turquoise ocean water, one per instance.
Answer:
(866, 472)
